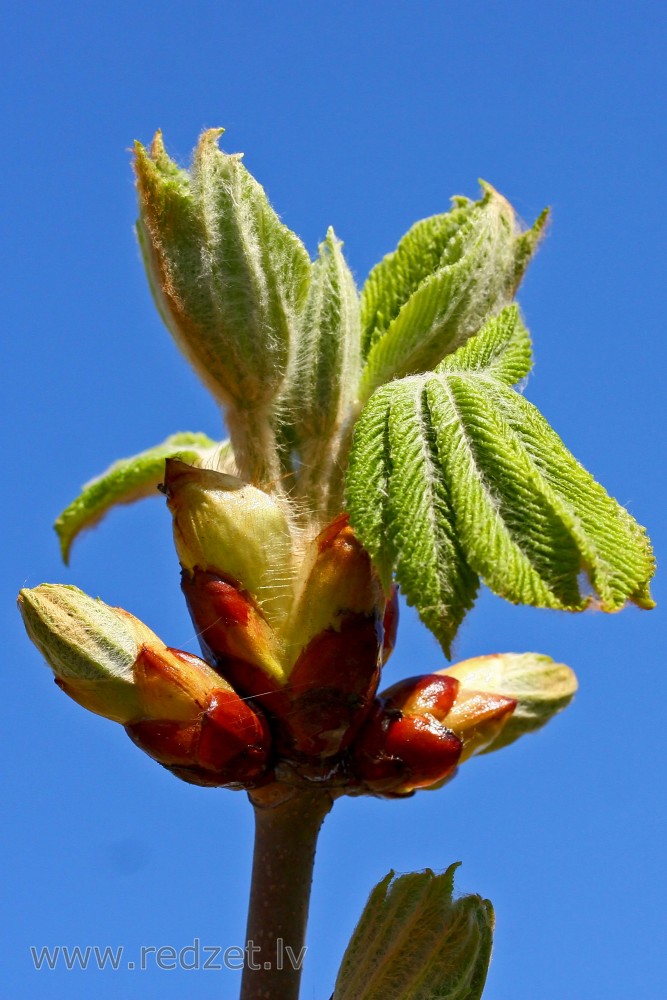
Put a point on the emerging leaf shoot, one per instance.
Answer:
(446, 276)
(229, 278)
(414, 941)
(470, 481)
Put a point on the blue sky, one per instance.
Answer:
(366, 116)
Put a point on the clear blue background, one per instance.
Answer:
(368, 116)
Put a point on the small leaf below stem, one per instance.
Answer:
(415, 942)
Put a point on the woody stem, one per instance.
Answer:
(285, 841)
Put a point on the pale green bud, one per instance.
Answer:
(110, 662)
(540, 687)
(224, 526)
(85, 641)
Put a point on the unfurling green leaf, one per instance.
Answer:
(328, 354)
(540, 687)
(131, 479)
(228, 277)
(406, 519)
(415, 942)
(469, 479)
(435, 291)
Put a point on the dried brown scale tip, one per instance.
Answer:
(330, 773)
(207, 779)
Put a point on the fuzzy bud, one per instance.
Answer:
(539, 687)
(316, 671)
(227, 276)
(228, 528)
(172, 704)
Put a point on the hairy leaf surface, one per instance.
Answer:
(415, 942)
(430, 563)
(426, 247)
(454, 475)
(228, 277)
(328, 353)
(436, 290)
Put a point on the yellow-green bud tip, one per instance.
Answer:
(90, 647)
(223, 525)
(540, 687)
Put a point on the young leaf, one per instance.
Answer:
(367, 484)
(430, 563)
(511, 533)
(328, 354)
(228, 277)
(415, 942)
(417, 307)
(130, 479)
(526, 245)
(422, 251)
(615, 550)
(517, 508)
(503, 351)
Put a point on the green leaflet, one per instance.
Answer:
(367, 483)
(415, 942)
(616, 552)
(427, 246)
(508, 528)
(228, 277)
(447, 274)
(130, 479)
(400, 506)
(328, 354)
(430, 563)
(502, 351)
(458, 461)
(526, 245)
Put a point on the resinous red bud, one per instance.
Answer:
(331, 688)
(432, 694)
(227, 743)
(337, 579)
(396, 753)
(234, 636)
